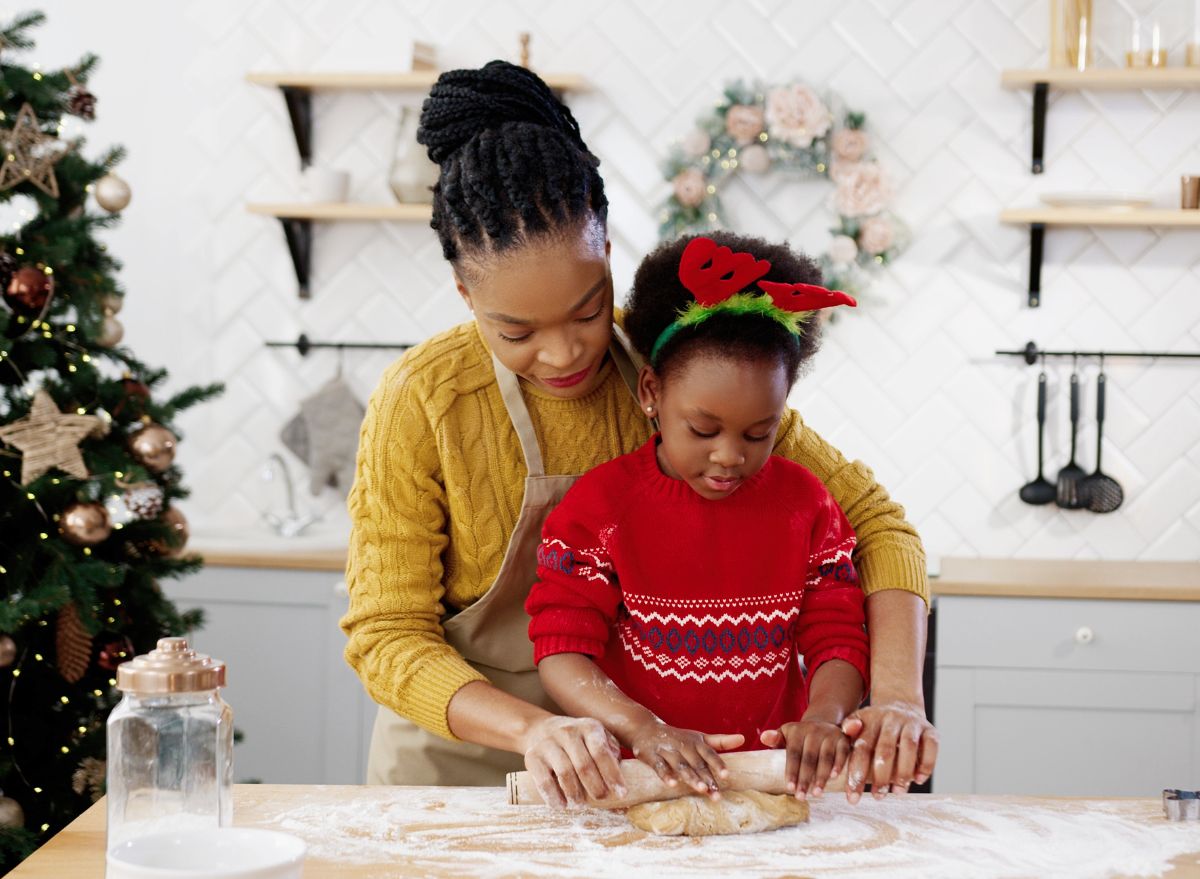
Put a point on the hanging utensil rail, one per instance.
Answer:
(1031, 352)
(304, 344)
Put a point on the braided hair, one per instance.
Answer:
(514, 167)
(658, 296)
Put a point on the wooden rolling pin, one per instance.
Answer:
(748, 770)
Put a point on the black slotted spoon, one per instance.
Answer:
(1039, 491)
(1070, 478)
(1104, 493)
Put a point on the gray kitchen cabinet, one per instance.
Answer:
(304, 714)
(1071, 697)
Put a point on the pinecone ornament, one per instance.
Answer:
(73, 643)
(145, 500)
(81, 102)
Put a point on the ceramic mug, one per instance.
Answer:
(324, 185)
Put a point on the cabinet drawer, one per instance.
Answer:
(1068, 634)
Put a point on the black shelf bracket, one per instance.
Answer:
(1039, 126)
(299, 107)
(1037, 235)
(299, 235)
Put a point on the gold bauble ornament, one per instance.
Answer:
(11, 813)
(85, 524)
(8, 651)
(112, 303)
(112, 193)
(154, 447)
(111, 333)
(173, 545)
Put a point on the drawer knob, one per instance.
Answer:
(1084, 635)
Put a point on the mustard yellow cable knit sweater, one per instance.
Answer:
(438, 491)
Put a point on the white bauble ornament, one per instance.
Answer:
(111, 333)
(112, 193)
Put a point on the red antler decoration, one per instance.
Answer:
(714, 273)
(804, 297)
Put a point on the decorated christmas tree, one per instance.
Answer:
(88, 525)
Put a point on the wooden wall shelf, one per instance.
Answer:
(297, 220)
(1067, 78)
(415, 80)
(1148, 217)
(1039, 218)
(345, 211)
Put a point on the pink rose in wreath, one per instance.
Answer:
(842, 250)
(690, 187)
(755, 159)
(876, 235)
(862, 189)
(744, 123)
(848, 144)
(796, 115)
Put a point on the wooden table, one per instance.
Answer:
(360, 832)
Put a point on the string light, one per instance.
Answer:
(3, 570)
(38, 657)
(87, 550)
(11, 741)
(37, 790)
(64, 700)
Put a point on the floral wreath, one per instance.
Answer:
(788, 128)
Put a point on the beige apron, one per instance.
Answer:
(493, 633)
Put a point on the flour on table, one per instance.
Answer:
(474, 832)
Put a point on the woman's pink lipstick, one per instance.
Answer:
(569, 380)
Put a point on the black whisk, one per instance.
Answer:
(1104, 494)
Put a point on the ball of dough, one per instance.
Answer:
(736, 812)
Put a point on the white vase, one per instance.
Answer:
(411, 175)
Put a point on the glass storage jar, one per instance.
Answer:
(170, 745)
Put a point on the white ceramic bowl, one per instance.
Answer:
(219, 853)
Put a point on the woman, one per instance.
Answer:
(473, 436)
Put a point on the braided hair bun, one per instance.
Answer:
(513, 164)
(462, 103)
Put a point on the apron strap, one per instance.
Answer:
(518, 414)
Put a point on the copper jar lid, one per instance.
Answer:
(172, 668)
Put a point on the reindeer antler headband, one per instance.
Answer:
(720, 281)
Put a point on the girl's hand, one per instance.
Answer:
(572, 759)
(683, 755)
(817, 751)
(894, 746)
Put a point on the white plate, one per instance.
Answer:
(1097, 199)
(224, 853)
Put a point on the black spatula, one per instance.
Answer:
(1039, 491)
(1104, 493)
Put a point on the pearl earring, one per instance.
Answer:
(650, 410)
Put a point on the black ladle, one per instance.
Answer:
(1039, 491)
(1070, 478)
(1104, 493)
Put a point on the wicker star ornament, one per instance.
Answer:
(48, 438)
(29, 155)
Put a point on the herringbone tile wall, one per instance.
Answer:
(910, 384)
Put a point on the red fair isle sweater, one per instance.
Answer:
(702, 611)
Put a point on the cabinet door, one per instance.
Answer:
(299, 705)
(1017, 731)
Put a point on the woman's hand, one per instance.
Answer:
(894, 746)
(571, 759)
(816, 752)
(683, 755)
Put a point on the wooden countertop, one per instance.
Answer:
(1055, 578)
(301, 559)
(361, 832)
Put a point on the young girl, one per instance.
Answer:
(695, 572)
